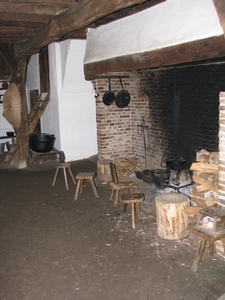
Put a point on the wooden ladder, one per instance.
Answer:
(11, 155)
(37, 111)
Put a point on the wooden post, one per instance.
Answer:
(22, 132)
(172, 220)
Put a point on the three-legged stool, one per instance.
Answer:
(80, 180)
(64, 167)
(134, 200)
(205, 236)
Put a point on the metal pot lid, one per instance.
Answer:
(108, 98)
(122, 98)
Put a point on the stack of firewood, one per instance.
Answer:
(126, 167)
(205, 177)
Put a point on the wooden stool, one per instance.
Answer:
(118, 186)
(205, 236)
(81, 177)
(134, 200)
(64, 166)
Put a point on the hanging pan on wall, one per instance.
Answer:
(109, 96)
(122, 98)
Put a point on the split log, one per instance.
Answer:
(206, 168)
(103, 170)
(172, 220)
(206, 183)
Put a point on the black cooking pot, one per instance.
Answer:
(109, 96)
(175, 163)
(41, 142)
(122, 98)
(148, 176)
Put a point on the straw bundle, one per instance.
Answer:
(12, 107)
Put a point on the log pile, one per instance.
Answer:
(205, 177)
(126, 167)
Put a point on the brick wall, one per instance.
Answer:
(113, 123)
(152, 104)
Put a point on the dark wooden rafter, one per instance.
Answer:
(33, 18)
(179, 54)
(53, 2)
(79, 16)
(22, 7)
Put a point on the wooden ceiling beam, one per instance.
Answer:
(6, 30)
(180, 54)
(80, 15)
(14, 23)
(31, 8)
(220, 9)
(50, 2)
(10, 40)
(23, 16)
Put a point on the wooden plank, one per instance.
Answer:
(204, 182)
(39, 113)
(201, 188)
(32, 8)
(52, 2)
(207, 168)
(188, 52)
(23, 16)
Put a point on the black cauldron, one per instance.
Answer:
(41, 142)
(175, 163)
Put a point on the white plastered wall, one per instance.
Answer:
(169, 23)
(70, 114)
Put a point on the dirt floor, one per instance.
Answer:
(55, 248)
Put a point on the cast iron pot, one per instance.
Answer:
(41, 142)
(175, 163)
(109, 96)
(139, 174)
(122, 98)
(148, 176)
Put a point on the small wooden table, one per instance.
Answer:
(211, 234)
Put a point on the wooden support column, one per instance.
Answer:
(22, 132)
